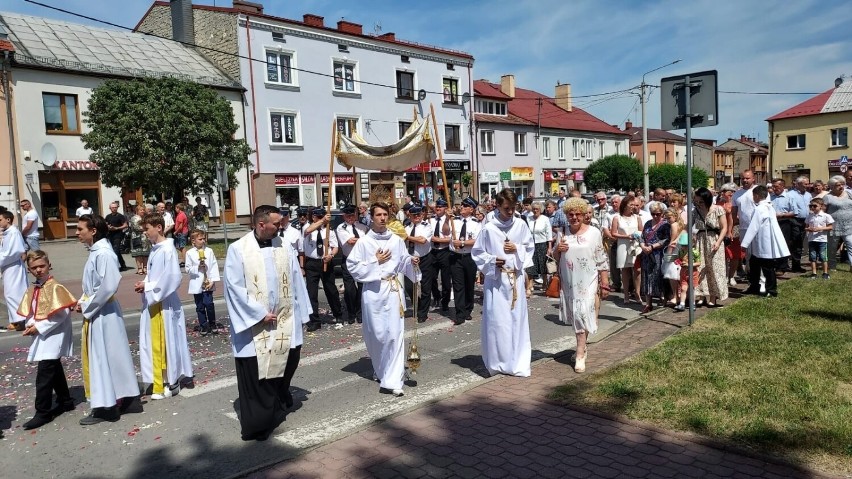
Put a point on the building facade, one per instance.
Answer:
(535, 144)
(305, 81)
(52, 72)
(748, 154)
(812, 138)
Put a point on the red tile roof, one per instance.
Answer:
(484, 89)
(509, 119)
(384, 39)
(525, 105)
(654, 134)
(812, 106)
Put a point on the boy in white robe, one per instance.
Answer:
(503, 249)
(766, 243)
(163, 348)
(267, 304)
(376, 261)
(12, 247)
(47, 307)
(109, 377)
(203, 270)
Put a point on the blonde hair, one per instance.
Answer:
(574, 205)
(674, 212)
(37, 254)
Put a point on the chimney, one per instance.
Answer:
(390, 36)
(628, 125)
(349, 27)
(248, 7)
(183, 29)
(313, 20)
(507, 85)
(563, 96)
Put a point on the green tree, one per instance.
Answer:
(162, 135)
(674, 177)
(618, 172)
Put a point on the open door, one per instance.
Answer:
(228, 212)
(53, 213)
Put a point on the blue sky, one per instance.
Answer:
(599, 46)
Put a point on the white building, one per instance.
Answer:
(54, 68)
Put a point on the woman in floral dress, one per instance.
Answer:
(709, 220)
(140, 247)
(655, 237)
(584, 272)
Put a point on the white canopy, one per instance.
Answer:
(414, 148)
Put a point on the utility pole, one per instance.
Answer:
(645, 129)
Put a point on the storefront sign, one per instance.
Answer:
(489, 177)
(522, 173)
(72, 165)
(294, 180)
(554, 175)
(457, 165)
(307, 179)
(434, 165)
(286, 180)
(338, 179)
(578, 175)
(505, 176)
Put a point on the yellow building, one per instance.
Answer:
(811, 138)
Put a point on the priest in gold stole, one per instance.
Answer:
(267, 303)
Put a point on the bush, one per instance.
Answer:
(619, 172)
(674, 177)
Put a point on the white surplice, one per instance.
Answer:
(382, 301)
(111, 372)
(506, 347)
(196, 277)
(244, 311)
(764, 236)
(54, 339)
(161, 286)
(14, 271)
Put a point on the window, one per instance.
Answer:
(279, 68)
(838, 137)
(451, 91)
(344, 76)
(404, 59)
(284, 128)
(601, 149)
(404, 85)
(490, 107)
(560, 148)
(520, 143)
(403, 127)
(347, 126)
(452, 137)
(575, 149)
(486, 141)
(588, 153)
(796, 142)
(60, 113)
(545, 148)
(617, 148)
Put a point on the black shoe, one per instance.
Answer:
(130, 405)
(123, 268)
(37, 421)
(421, 320)
(100, 415)
(197, 328)
(313, 326)
(62, 407)
(445, 309)
(751, 291)
(458, 321)
(351, 321)
(206, 330)
(799, 270)
(288, 399)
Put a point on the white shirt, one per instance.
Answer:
(472, 229)
(440, 222)
(345, 232)
(31, 215)
(540, 229)
(309, 242)
(168, 220)
(83, 211)
(645, 217)
(819, 220)
(744, 199)
(424, 229)
(292, 236)
(196, 278)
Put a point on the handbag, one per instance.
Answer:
(554, 287)
(551, 265)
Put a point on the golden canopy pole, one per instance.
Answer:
(441, 161)
(330, 188)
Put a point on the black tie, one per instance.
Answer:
(411, 243)
(319, 244)
(438, 227)
(355, 230)
(463, 231)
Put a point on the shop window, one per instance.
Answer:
(75, 197)
(61, 113)
(50, 208)
(404, 85)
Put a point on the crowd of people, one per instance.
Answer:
(425, 255)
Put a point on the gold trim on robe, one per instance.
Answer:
(50, 297)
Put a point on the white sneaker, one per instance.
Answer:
(398, 392)
(539, 281)
(732, 282)
(762, 288)
(157, 397)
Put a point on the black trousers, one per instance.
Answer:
(767, 266)
(464, 278)
(262, 402)
(441, 266)
(115, 240)
(786, 226)
(49, 378)
(313, 275)
(351, 294)
(797, 242)
(427, 270)
(614, 273)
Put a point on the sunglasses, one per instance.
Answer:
(656, 214)
(813, 206)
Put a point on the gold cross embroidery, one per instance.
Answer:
(280, 339)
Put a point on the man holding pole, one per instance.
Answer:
(319, 249)
(419, 245)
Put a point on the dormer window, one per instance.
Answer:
(490, 107)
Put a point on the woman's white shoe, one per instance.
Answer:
(580, 364)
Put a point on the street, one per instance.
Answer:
(197, 433)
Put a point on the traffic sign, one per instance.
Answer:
(843, 168)
(844, 160)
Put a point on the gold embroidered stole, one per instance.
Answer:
(271, 340)
(49, 298)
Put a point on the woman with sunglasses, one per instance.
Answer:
(655, 237)
(712, 226)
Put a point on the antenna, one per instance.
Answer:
(377, 28)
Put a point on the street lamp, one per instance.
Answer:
(645, 130)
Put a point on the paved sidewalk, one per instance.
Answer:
(507, 427)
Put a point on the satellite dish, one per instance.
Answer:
(466, 97)
(48, 155)
(421, 94)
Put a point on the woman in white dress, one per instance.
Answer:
(624, 226)
(584, 271)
